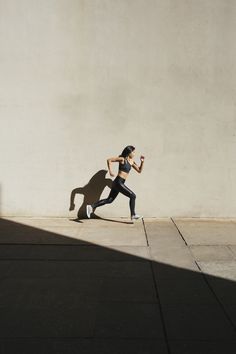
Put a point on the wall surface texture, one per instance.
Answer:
(81, 79)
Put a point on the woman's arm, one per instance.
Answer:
(139, 168)
(113, 159)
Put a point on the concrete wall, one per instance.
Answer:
(81, 79)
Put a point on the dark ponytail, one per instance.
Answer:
(127, 150)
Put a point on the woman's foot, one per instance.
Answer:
(136, 217)
(89, 210)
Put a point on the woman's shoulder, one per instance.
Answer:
(115, 158)
(121, 159)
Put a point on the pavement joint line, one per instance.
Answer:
(160, 308)
(145, 231)
(216, 297)
(230, 250)
(179, 231)
(192, 253)
(157, 295)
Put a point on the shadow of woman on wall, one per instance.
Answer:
(92, 192)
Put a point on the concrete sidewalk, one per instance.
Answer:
(111, 287)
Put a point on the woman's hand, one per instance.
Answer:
(112, 174)
(142, 158)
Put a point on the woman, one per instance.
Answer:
(118, 185)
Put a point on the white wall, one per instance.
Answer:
(81, 79)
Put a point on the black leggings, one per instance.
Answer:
(118, 185)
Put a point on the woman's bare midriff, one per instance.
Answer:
(124, 174)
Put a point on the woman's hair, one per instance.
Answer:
(127, 150)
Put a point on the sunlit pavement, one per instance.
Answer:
(109, 286)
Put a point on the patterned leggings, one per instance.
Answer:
(118, 185)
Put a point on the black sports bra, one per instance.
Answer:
(125, 167)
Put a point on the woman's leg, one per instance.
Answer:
(129, 193)
(112, 195)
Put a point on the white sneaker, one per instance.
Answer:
(136, 217)
(89, 210)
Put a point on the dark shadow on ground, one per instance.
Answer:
(91, 191)
(61, 295)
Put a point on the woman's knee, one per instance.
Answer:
(133, 196)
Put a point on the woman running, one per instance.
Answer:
(118, 185)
